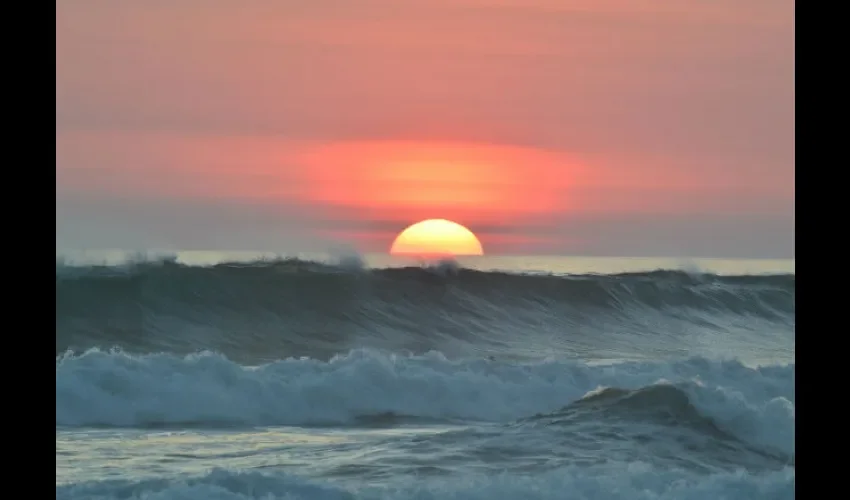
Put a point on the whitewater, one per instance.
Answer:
(302, 379)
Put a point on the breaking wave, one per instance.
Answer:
(118, 389)
(262, 311)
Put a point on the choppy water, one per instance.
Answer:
(295, 379)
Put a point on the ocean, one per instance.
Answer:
(201, 375)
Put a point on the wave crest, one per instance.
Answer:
(268, 310)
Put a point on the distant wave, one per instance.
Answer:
(269, 310)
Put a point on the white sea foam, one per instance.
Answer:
(117, 389)
(633, 482)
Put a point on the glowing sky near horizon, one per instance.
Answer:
(601, 127)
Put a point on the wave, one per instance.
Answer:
(672, 422)
(635, 481)
(118, 389)
(268, 310)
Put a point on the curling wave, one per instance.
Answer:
(262, 311)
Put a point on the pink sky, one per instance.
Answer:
(607, 127)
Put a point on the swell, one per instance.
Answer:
(268, 310)
(669, 416)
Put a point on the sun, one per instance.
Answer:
(436, 238)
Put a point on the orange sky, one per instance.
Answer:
(544, 126)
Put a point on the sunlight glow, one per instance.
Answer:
(412, 180)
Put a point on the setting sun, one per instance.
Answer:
(436, 237)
